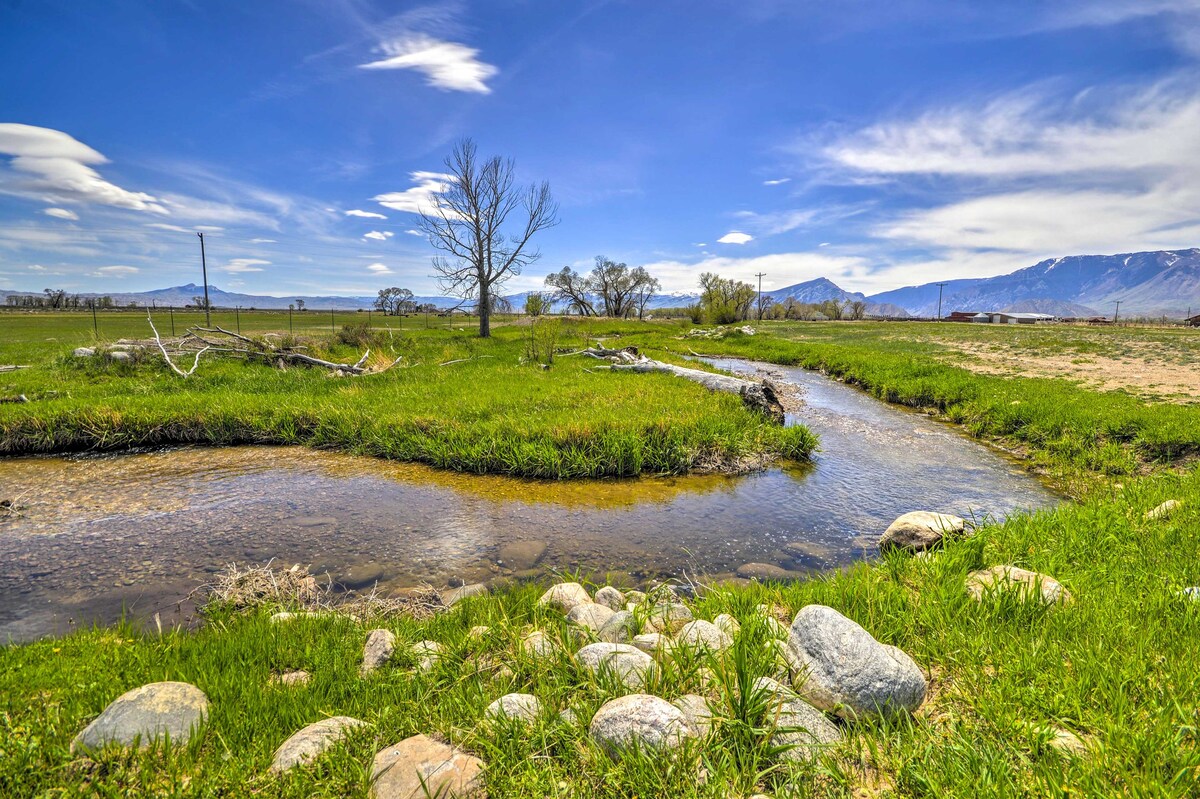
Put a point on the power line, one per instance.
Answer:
(204, 267)
(759, 275)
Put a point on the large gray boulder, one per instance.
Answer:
(380, 646)
(565, 596)
(311, 741)
(620, 628)
(1026, 584)
(842, 669)
(629, 665)
(703, 635)
(590, 616)
(524, 707)
(667, 617)
(920, 530)
(766, 572)
(420, 767)
(728, 624)
(456, 595)
(798, 725)
(642, 721)
(610, 598)
(652, 643)
(161, 709)
(538, 645)
(697, 712)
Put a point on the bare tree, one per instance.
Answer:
(469, 222)
(572, 289)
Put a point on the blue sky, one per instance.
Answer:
(878, 144)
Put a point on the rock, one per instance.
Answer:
(920, 530)
(846, 671)
(799, 725)
(764, 572)
(1162, 511)
(634, 598)
(1191, 592)
(455, 595)
(311, 741)
(565, 596)
(478, 631)
(610, 598)
(652, 643)
(667, 618)
(697, 712)
(288, 615)
(704, 635)
(172, 709)
(380, 646)
(1027, 584)
(521, 555)
(640, 720)
(590, 616)
(569, 716)
(119, 355)
(1066, 742)
(419, 767)
(524, 707)
(428, 654)
(538, 645)
(728, 625)
(291, 678)
(620, 628)
(84, 352)
(629, 665)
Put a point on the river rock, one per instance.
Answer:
(629, 665)
(428, 654)
(799, 725)
(292, 678)
(920, 530)
(538, 645)
(84, 352)
(704, 635)
(311, 741)
(378, 650)
(521, 555)
(569, 715)
(765, 572)
(610, 598)
(1162, 511)
(455, 595)
(291, 615)
(652, 643)
(420, 767)
(697, 712)
(641, 720)
(478, 631)
(171, 709)
(845, 671)
(1027, 584)
(728, 625)
(634, 598)
(667, 617)
(565, 596)
(590, 616)
(524, 707)
(620, 628)
(118, 355)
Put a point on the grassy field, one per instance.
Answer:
(1116, 667)
(489, 414)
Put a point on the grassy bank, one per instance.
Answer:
(490, 413)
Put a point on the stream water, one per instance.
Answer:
(99, 535)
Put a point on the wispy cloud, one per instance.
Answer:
(51, 165)
(735, 237)
(379, 269)
(61, 213)
(419, 198)
(776, 182)
(115, 271)
(240, 265)
(263, 241)
(379, 235)
(449, 66)
(364, 214)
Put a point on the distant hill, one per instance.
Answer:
(179, 296)
(1165, 282)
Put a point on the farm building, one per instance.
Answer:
(1194, 321)
(1003, 318)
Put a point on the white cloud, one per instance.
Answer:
(115, 271)
(50, 165)
(36, 268)
(449, 66)
(414, 233)
(240, 265)
(379, 269)
(735, 237)
(419, 198)
(365, 214)
(61, 213)
(171, 228)
(263, 241)
(379, 235)
(776, 182)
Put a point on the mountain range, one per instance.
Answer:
(1164, 282)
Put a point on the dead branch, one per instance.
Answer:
(260, 345)
(17, 398)
(464, 360)
(760, 396)
(12, 367)
(166, 357)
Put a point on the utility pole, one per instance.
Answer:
(759, 275)
(940, 287)
(204, 267)
(1117, 311)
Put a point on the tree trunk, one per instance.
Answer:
(485, 310)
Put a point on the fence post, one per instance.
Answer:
(332, 329)
(95, 324)
(237, 316)
(171, 308)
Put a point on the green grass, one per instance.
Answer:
(493, 414)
